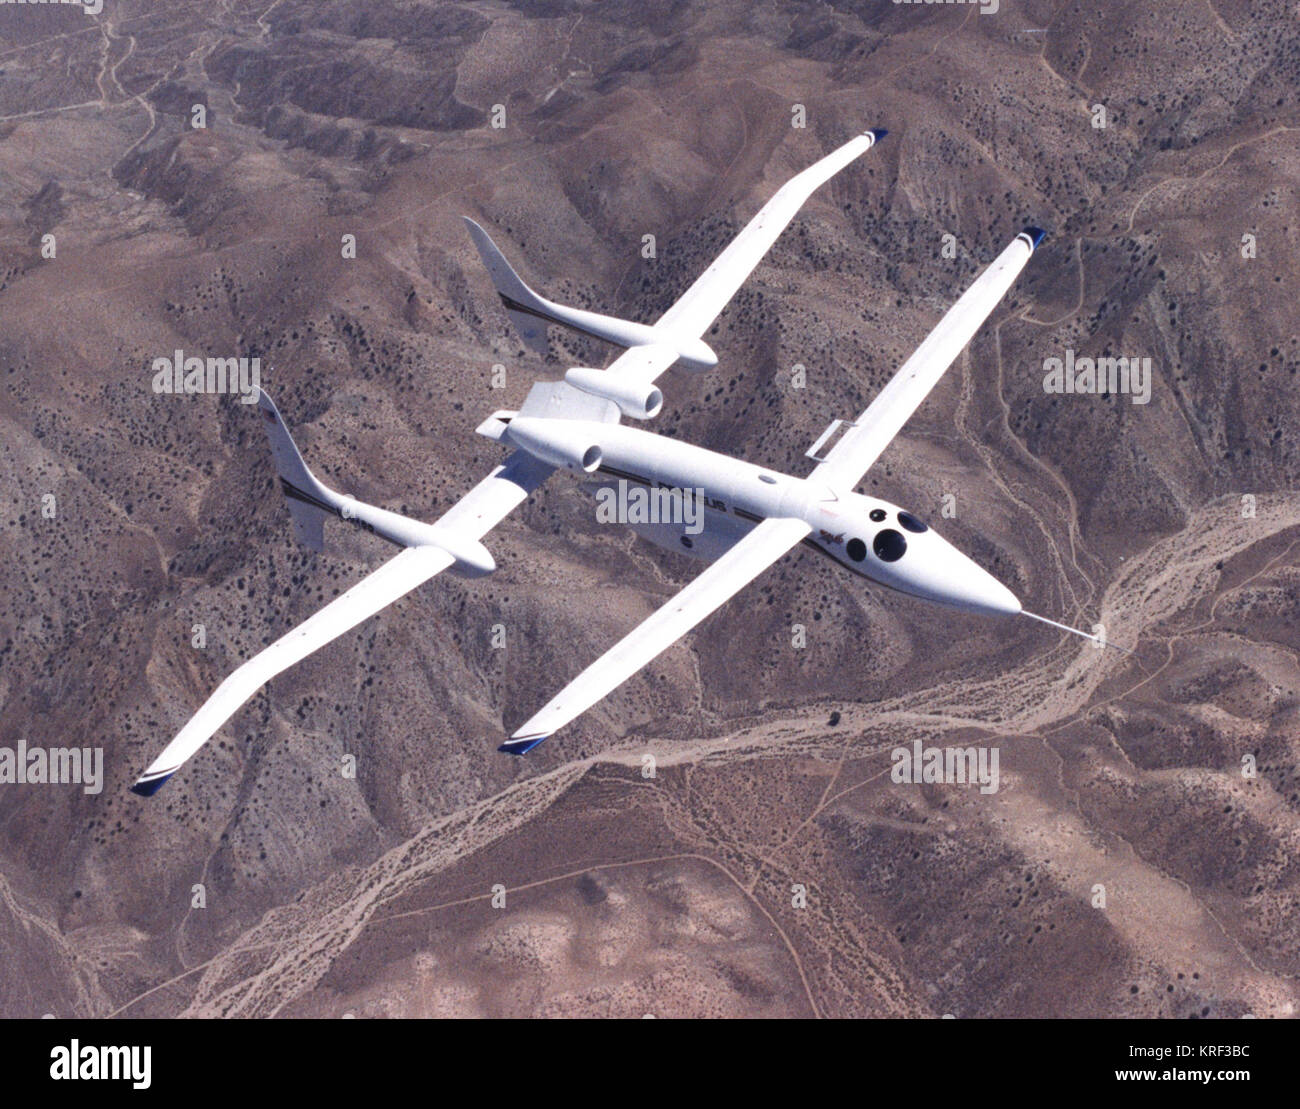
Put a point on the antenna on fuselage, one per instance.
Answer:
(1099, 640)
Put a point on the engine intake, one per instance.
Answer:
(554, 441)
(638, 400)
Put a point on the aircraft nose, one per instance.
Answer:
(971, 587)
(987, 594)
(953, 578)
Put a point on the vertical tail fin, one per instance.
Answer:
(530, 313)
(309, 501)
(527, 311)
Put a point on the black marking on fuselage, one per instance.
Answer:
(812, 543)
(711, 503)
(626, 475)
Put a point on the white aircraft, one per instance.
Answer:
(753, 516)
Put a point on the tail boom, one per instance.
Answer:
(310, 502)
(530, 313)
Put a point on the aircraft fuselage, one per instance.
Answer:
(869, 536)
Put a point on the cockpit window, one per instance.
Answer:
(912, 523)
(877, 514)
(857, 550)
(889, 545)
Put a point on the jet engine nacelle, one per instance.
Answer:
(554, 441)
(639, 400)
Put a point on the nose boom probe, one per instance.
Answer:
(1099, 640)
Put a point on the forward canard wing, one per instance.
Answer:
(719, 583)
(857, 450)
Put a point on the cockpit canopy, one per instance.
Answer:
(912, 523)
(892, 547)
(888, 544)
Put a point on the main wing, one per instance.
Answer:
(696, 309)
(473, 516)
(496, 496)
(693, 313)
(395, 578)
(864, 442)
(722, 580)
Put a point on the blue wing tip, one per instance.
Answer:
(147, 788)
(877, 133)
(1035, 235)
(522, 745)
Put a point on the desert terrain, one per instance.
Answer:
(721, 836)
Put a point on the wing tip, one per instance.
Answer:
(521, 745)
(1033, 236)
(877, 133)
(148, 786)
(267, 405)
